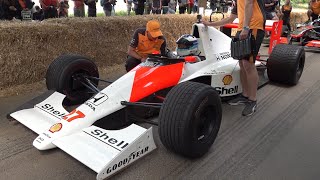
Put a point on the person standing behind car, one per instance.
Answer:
(268, 5)
(145, 41)
(182, 6)
(251, 15)
(49, 8)
(12, 9)
(78, 10)
(172, 6)
(92, 8)
(63, 8)
(129, 6)
(38, 14)
(139, 10)
(156, 6)
(313, 10)
(286, 10)
(165, 6)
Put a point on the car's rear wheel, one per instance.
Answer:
(190, 119)
(285, 64)
(62, 77)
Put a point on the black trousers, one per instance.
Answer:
(92, 9)
(131, 63)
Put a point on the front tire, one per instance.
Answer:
(60, 77)
(190, 119)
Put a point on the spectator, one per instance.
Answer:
(78, 9)
(195, 7)
(38, 14)
(190, 6)
(63, 8)
(140, 7)
(172, 6)
(148, 7)
(269, 6)
(129, 6)
(92, 8)
(12, 9)
(1, 10)
(313, 9)
(213, 5)
(276, 10)
(145, 41)
(165, 6)
(182, 6)
(108, 6)
(26, 5)
(49, 8)
(286, 10)
(156, 6)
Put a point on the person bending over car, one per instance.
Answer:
(145, 41)
(251, 16)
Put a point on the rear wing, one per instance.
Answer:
(275, 35)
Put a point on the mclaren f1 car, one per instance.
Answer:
(101, 127)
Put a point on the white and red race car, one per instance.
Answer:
(103, 132)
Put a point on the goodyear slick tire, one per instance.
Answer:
(190, 119)
(285, 64)
(59, 77)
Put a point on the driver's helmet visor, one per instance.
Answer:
(183, 43)
(182, 46)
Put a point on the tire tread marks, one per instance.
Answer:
(226, 136)
(246, 159)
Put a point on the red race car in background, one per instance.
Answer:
(306, 34)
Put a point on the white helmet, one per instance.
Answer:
(187, 45)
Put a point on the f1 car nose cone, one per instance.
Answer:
(43, 142)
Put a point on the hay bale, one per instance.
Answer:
(27, 48)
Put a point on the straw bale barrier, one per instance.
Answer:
(27, 48)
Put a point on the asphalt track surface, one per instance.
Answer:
(280, 141)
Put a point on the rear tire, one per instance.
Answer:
(285, 64)
(60, 74)
(190, 119)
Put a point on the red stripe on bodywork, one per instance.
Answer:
(148, 80)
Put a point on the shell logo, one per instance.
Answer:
(55, 128)
(227, 80)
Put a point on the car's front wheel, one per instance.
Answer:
(63, 76)
(190, 119)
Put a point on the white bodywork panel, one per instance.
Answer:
(106, 151)
(43, 115)
(215, 46)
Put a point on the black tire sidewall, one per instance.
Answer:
(283, 62)
(179, 116)
(76, 66)
(200, 106)
(59, 76)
